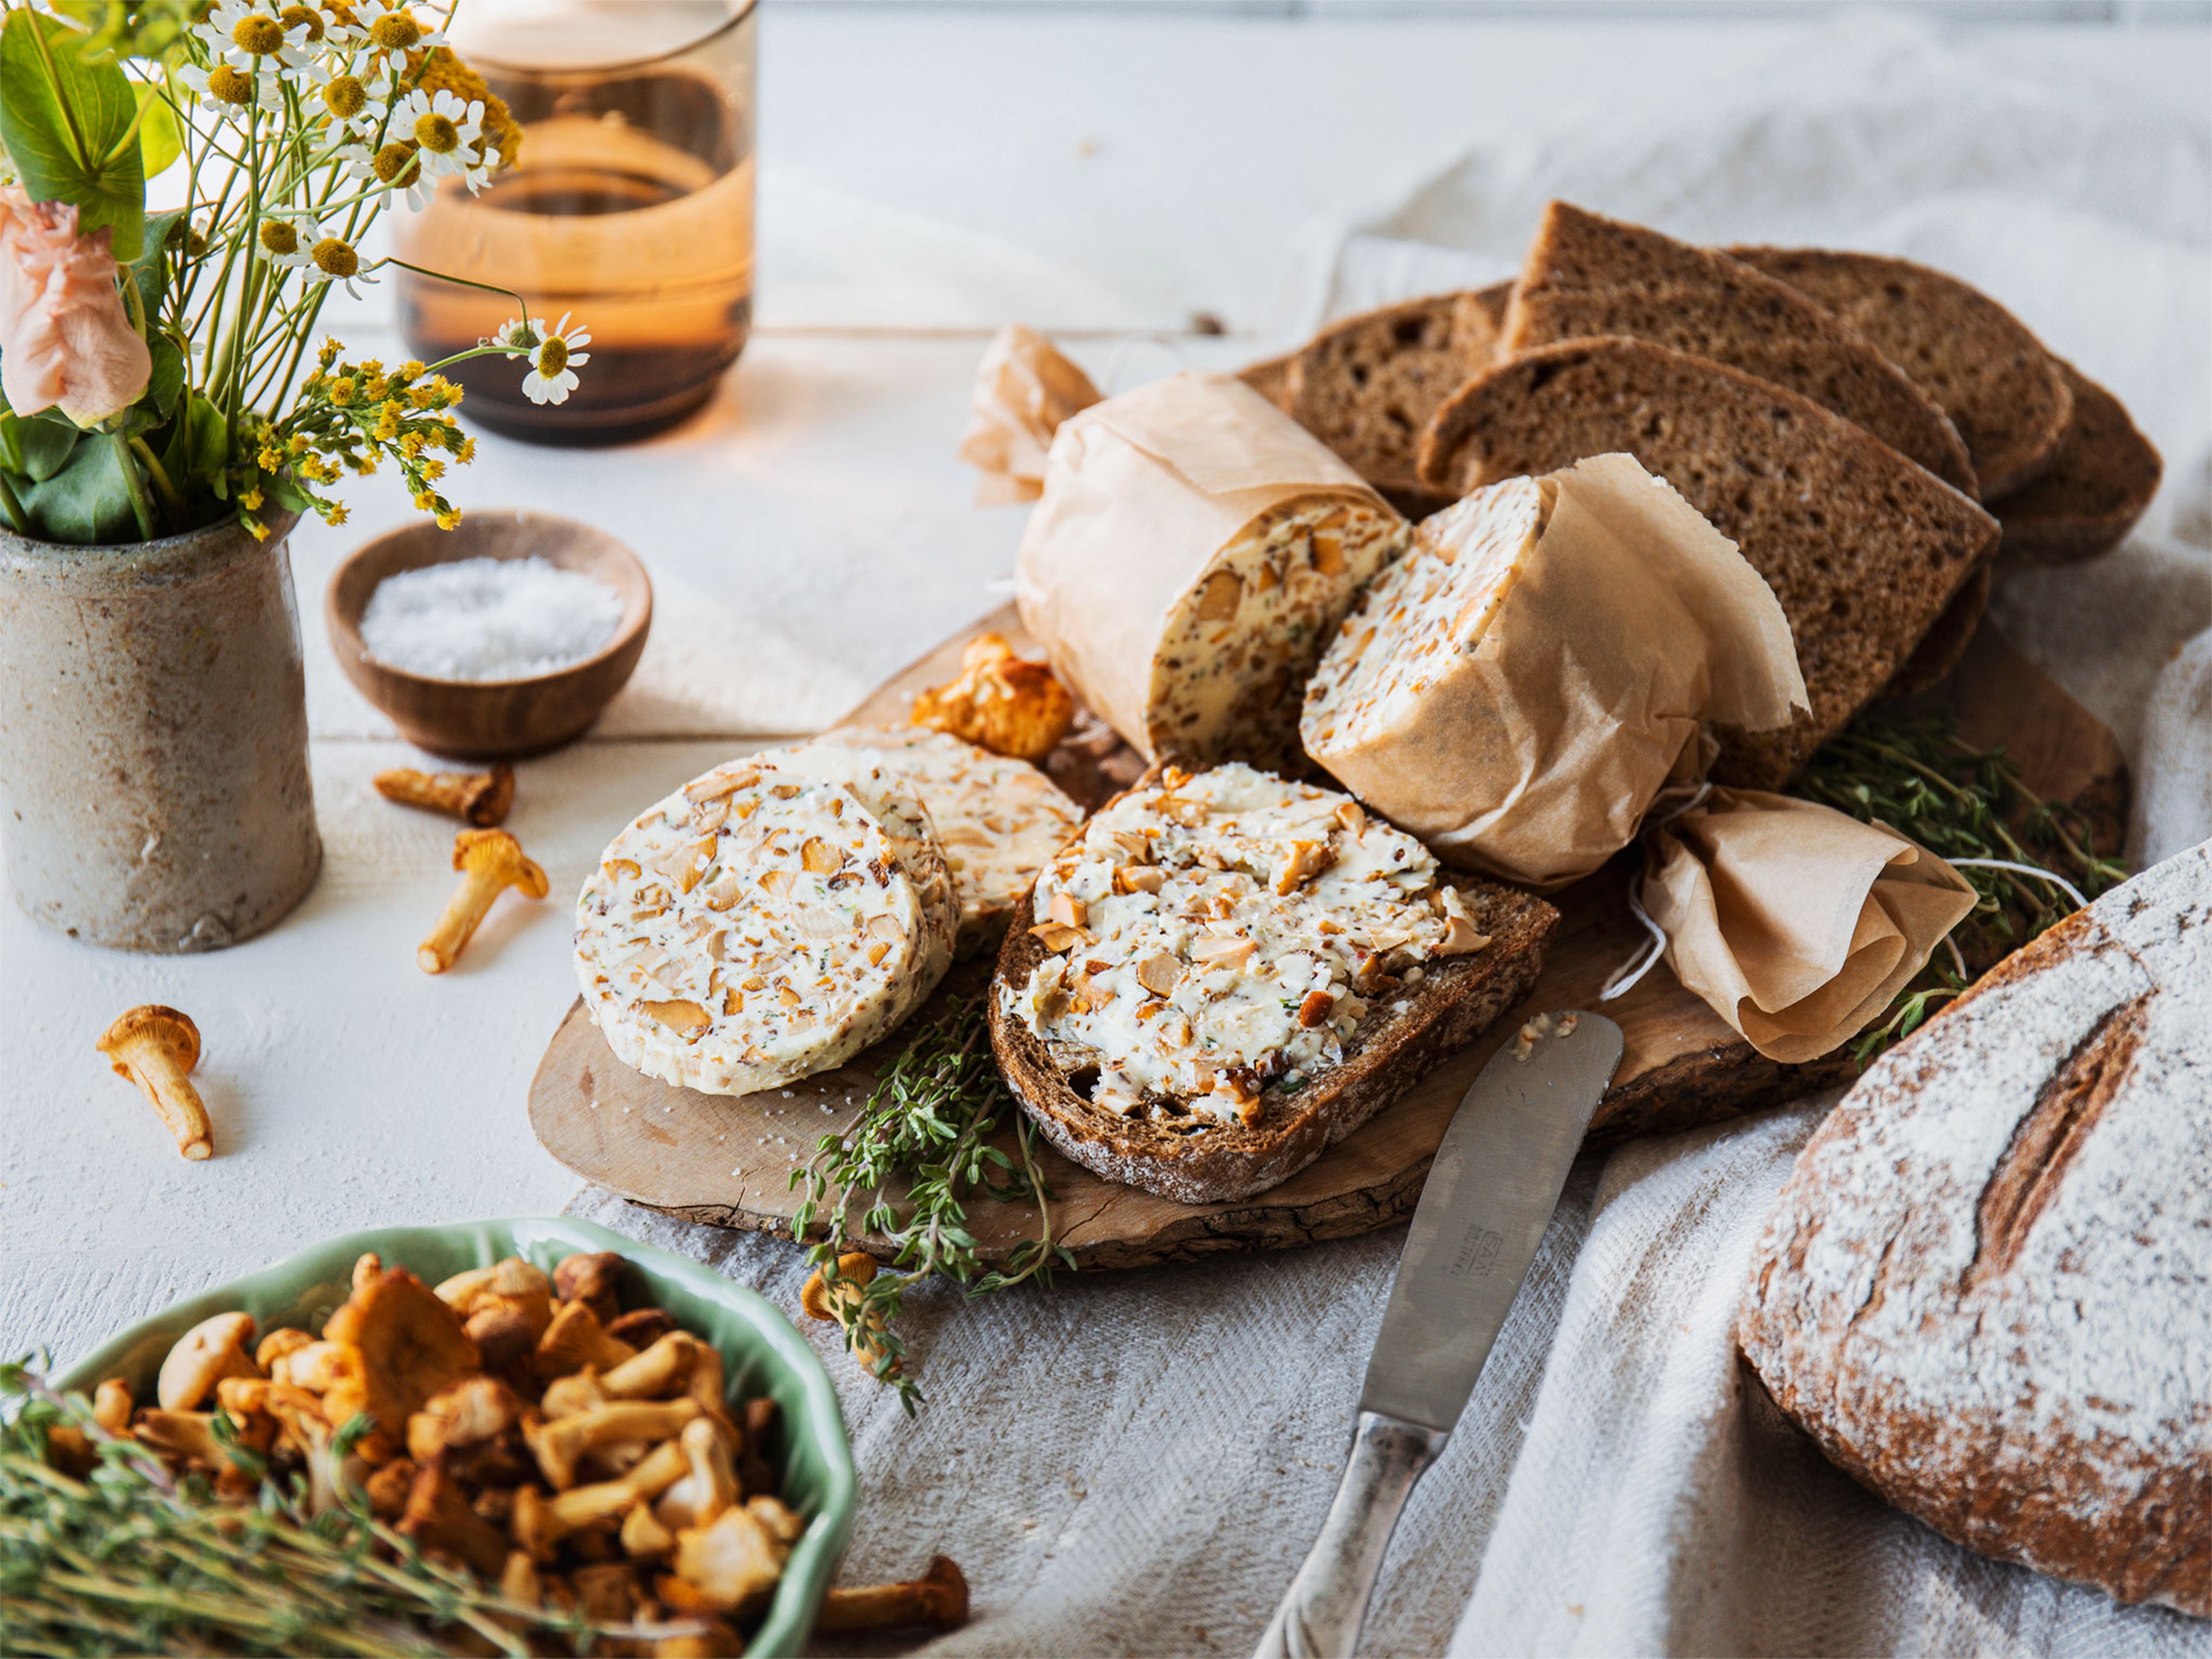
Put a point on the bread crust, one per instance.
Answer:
(1864, 549)
(1587, 276)
(2103, 476)
(1459, 998)
(1978, 362)
(1986, 1287)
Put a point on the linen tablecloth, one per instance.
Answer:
(1135, 1462)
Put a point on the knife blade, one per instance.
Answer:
(1489, 1196)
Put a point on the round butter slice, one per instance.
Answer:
(999, 821)
(763, 923)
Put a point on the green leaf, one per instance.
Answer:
(88, 501)
(167, 379)
(150, 269)
(158, 142)
(199, 448)
(66, 122)
(37, 449)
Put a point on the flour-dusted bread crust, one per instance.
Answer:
(1864, 549)
(1247, 983)
(1979, 362)
(1587, 276)
(1986, 1289)
(2103, 476)
(997, 819)
(764, 922)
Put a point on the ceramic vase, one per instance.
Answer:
(154, 785)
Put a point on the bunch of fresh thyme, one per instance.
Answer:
(928, 1125)
(1914, 773)
(125, 1557)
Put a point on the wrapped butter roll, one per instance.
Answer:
(1194, 552)
(1517, 687)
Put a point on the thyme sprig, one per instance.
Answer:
(927, 1127)
(1914, 773)
(125, 1557)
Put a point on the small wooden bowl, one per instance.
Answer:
(490, 719)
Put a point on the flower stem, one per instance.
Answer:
(140, 508)
(171, 503)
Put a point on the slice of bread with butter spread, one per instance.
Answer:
(766, 921)
(1226, 973)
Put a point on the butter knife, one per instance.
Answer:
(1490, 1194)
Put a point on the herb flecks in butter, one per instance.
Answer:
(1214, 935)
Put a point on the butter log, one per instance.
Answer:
(1517, 687)
(1194, 552)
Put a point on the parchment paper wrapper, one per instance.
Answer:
(1142, 493)
(1530, 742)
(1798, 923)
(1024, 390)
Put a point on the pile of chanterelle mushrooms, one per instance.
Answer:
(526, 1427)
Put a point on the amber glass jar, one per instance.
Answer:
(631, 207)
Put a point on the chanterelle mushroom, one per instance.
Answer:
(937, 1600)
(154, 1047)
(411, 1346)
(479, 798)
(212, 1350)
(490, 861)
(731, 1560)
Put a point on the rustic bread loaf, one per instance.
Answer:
(1863, 549)
(1586, 276)
(1228, 973)
(1978, 360)
(1986, 1290)
(2104, 477)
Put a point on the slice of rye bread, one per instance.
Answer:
(1586, 276)
(1365, 386)
(2105, 475)
(1945, 643)
(1457, 999)
(1271, 379)
(1978, 360)
(1863, 549)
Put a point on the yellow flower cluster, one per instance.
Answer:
(352, 416)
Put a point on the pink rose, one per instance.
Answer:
(64, 338)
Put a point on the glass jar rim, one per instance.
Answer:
(481, 59)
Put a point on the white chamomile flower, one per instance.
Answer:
(553, 358)
(282, 243)
(232, 93)
(447, 131)
(253, 38)
(396, 31)
(331, 259)
(358, 107)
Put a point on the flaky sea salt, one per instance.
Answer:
(489, 619)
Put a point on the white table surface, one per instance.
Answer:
(928, 178)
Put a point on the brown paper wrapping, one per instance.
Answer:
(1141, 493)
(1024, 390)
(1798, 923)
(1536, 754)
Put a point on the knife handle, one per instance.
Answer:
(1327, 1603)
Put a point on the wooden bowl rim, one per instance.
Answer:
(637, 610)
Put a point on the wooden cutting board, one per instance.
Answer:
(729, 1161)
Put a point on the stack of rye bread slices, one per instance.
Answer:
(1867, 430)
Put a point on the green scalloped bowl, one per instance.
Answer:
(761, 1351)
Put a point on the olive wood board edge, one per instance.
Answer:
(728, 1162)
